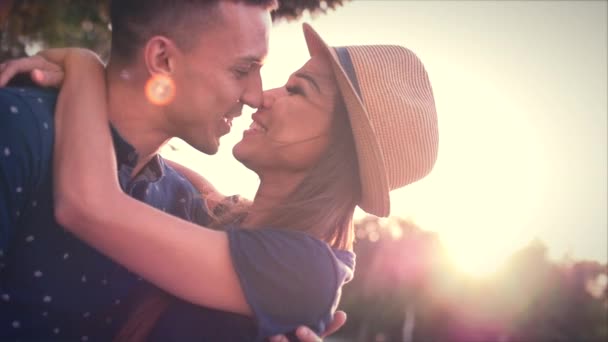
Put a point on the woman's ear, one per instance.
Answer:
(159, 55)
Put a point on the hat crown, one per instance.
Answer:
(396, 93)
(392, 114)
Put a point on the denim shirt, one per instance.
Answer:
(52, 285)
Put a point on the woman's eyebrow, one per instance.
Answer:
(310, 80)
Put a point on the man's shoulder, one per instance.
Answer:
(26, 119)
(28, 94)
(168, 189)
(169, 171)
(172, 178)
(31, 108)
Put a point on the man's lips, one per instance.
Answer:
(225, 125)
(227, 120)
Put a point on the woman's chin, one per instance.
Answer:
(240, 153)
(237, 150)
(252, 156)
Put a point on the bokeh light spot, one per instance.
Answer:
(160, 90)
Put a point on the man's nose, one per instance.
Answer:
(253, 95)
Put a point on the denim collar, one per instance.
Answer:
(126, 159)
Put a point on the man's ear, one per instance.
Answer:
(160, 54)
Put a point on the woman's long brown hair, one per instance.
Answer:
(321, 205)
(324, 202)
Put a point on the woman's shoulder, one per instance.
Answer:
(289, 278)
(294, 241)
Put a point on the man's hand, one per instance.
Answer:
(304, 334)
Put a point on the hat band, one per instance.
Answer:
(347, 65)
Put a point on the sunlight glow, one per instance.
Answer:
(480, 196)
(477, 262)
(522, 152)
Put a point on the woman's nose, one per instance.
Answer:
(269, 97)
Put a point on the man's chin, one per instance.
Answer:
(210, 148)
(213, 149)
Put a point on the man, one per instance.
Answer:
(181, 70)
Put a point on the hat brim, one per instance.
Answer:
(375, 198)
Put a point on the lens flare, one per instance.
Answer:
(160, 90)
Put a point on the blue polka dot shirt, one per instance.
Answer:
(53, 286)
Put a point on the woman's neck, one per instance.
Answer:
(272, 192)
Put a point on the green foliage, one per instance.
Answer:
(294, 9)
(56, 23)
(30, 24)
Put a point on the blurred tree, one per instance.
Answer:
(406, 290)
(294, 9)
(396, 265)
(33, 24)
(28, 25)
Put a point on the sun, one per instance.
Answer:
(476, 262)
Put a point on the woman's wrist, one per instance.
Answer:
(73, 60)
(82, 61)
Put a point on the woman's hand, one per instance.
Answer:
(304, 334)
(42, 72)
(47, 68)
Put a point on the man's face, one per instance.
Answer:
(219, 75)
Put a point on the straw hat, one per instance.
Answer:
(391, 107)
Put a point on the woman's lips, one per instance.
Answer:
(255, 128)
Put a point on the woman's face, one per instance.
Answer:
(292, 128)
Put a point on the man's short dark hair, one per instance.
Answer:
(134, 22)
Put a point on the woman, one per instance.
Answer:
(349, 126)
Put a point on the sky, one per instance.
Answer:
(521, 95)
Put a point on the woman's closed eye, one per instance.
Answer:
(294, 90)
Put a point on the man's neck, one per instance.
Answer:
(135, 118)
